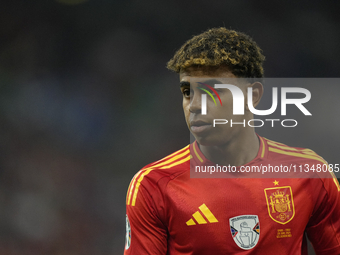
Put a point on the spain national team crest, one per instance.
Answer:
(280, 204)
(245, 230)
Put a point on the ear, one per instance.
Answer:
(257, 93)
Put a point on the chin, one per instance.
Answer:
(208, 141)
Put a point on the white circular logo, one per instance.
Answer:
(128, 234)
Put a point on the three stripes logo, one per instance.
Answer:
(204, 97)
(199, 217)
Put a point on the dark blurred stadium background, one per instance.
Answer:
(86, 101)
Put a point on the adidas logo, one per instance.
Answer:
(200, 219)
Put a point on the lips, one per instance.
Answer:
(198, 123)
(198, 126)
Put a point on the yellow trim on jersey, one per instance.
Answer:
(309, 151)
(268, 140)
(166, 162)
(335, 181)
(285, 147)
(318, 158)
(296, 154)
(176, 163)
(304, 151)
(148, 170)
(263, 147)
(172, 154)
(197, 155)
(132, 186)
(127, 193)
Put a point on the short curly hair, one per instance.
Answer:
(220, 47)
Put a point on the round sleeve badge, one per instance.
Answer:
(128, 234)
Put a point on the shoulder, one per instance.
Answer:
(301, 160)
(280, 151)
(167, 167)
(156, 175)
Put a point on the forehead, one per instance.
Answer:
(205, 72)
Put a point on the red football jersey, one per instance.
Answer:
(170, 213)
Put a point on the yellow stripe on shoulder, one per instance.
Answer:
(162, 165)
(155, 164)
(127, 193)
(172, 154)
(298, 154)
(177, 163)
(335, 181)
(307, 153)
(196, 153)
(131, 187)
(268, 140)
(286, 147)
(263, 147)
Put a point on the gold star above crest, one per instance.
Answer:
(276, 182)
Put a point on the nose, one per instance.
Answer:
(195, 103)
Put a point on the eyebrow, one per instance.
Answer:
(184, 84)
(212, 82)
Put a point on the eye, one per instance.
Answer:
(186, 93)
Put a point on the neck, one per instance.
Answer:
(237, 151)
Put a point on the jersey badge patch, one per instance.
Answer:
(128, 234)
(245, 230)
(280, 204)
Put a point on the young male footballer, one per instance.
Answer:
(170, 213)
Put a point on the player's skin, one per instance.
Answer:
(221, 144)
